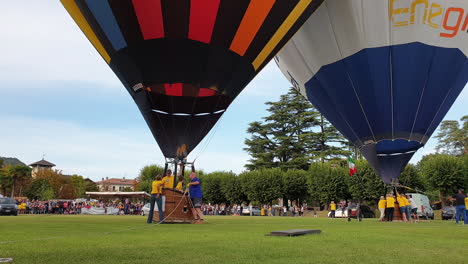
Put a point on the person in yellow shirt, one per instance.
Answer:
(332, 209)
(180, 184)
(382, 207)
(390, 207)
(466, 201)
(402, 204)
(156, 197)
(168, 180)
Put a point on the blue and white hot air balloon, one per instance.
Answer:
(383, 72)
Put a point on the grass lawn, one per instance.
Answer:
(83, 239)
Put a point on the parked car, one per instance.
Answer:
(423, 204)
(339, 213)
(146, 208)
(255, 210)
(8, 206)
(365, 211)
(448, 212)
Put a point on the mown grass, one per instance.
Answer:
(86, 239)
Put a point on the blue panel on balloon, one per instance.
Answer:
(389, 100)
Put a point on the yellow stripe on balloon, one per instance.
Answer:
(80, 20)
(281, 32)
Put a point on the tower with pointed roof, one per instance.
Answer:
(40, 166)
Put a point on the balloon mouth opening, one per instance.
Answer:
(389, 147)
(183, 89)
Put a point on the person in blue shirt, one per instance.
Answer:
(196, 196)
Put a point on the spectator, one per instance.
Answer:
(460, 199)
(382, 205)
(332, 209)
(390, 207)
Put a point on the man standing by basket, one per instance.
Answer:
(196, 196)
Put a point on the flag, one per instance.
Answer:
(352, 166)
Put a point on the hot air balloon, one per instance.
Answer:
(383, 72)
(185, 61)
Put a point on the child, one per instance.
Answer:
(180, 183)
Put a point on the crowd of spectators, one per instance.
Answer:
(74, 207)
(265, 210)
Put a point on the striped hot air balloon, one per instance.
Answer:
(383, 72)
(185, 61)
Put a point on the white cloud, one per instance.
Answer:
(40, 41)
(76, 149)
(96, 153)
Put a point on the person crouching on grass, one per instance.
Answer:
(156, 197)
(196, 196)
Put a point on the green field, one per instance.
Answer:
(86, 239)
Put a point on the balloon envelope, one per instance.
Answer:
(383, 72)
(185, 61)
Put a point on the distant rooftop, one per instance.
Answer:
(115, 181)
(42, 163)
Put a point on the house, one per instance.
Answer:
(114, 184)
(40, 166)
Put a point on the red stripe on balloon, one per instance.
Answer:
(150, 18)
(205, 92)
(202, 19)
(173, 89)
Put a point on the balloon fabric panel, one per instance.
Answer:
(384, 73)
(185, 61)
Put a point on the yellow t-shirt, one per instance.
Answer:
(382, 204)
(466, 203)
(405, 200)
(390, 202)
(179, 186)
(333, 206)
(401, 201)
(168, 181)
(156, 187)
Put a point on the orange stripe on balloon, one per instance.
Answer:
(250, 25)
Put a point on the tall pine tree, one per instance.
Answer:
(292, 136)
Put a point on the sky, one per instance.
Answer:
(58, 98)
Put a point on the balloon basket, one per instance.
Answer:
(397, 217)
(178, 209)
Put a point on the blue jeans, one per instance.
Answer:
(408, 212)
(461, 211)
(158, 201)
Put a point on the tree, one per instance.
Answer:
(279, 140)
(411, 177)
(292, 136)
(444, 173)
(18, 174)
(40, 189)
(453, 137)
(5, 180)
(211, 184)
(365, 184)
(263, 185)
(147, 176)
(91, 187)
(232, 189)
(79, 185)
(295, 185)
(327, 144)
(326, 182)
(55, 178)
